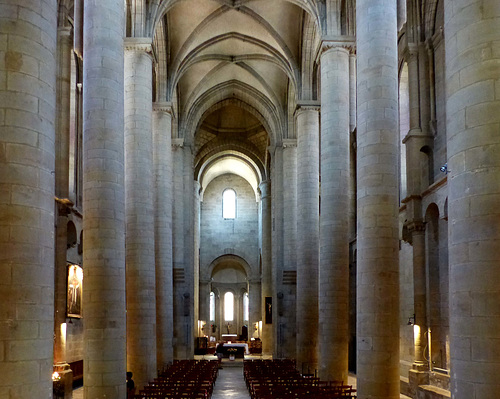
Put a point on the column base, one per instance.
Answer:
(418, 375)
(63, 388)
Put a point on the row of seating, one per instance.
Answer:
(188, 379)
(279, 379)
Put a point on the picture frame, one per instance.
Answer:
(74, 292)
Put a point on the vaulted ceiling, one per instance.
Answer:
(234, 71)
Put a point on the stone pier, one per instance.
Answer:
(104, 201)
(378, 201)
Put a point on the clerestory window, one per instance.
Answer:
(229, 306)
(229, 204)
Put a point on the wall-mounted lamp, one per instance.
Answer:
(444, 168)
(411, 320)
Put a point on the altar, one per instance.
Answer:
(237, 349)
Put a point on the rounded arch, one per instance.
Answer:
(72, 236)
(229, 162)
(221, 148)
(249, 98)
(234, 261)
(432, 218)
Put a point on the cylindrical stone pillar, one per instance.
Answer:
(189, 248)
(277, 251)
(290, 204)
(289, 248)
(104, 201)
(334, 218)
(473, 119)
(64, 53)
(307, 237)
(178, 250)
(162, 158)
(413, 87)
(419, 293)
(196, 252)
(352, 90)
(204, 302)
(254, 307)
(27, 153)
(267, 282)
(378, 201)
(401, 14)
(139, 214)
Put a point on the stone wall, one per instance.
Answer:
(237, 236)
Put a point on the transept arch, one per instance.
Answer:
(271, 118)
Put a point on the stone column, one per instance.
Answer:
(277, 251)
(64, 46)
(162, 158)
(63, 112)
(414, 141)
(334, 226)
(267, 282)
(289, 246)
(378, 201)
(139, 193)
(104, 201)
(189, 242)
(352, 90)
(196, 247)
(254, 307)
(352, 145)
(401, 13)
(307, 237)
(28, 36)
(473, 119)
(204, 301)
(178, 251)
(417, 231)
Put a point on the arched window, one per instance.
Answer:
(229, 204)
(245, 307)
(212, 306)
(229, 306)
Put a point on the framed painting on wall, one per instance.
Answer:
(74, 298)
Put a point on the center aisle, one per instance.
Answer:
(230, 382)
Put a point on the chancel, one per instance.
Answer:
(315, 181)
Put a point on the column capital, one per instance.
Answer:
(328, 43)
(143, 44)
(178, 142)
(304, 106)
(165, 106)
(338, 42)
(265, 189)
(64, 30)
(410, 52)
(289, 143)
(414, 134)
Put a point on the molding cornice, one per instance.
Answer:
(178, 142)
(143, 44)
(304, 106)
(336, 42)
(165, 106)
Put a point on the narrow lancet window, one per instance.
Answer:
(229, 306)
(229, 204)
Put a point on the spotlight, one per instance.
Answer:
(411, 320)
(444, 168)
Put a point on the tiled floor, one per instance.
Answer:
(230, 383)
